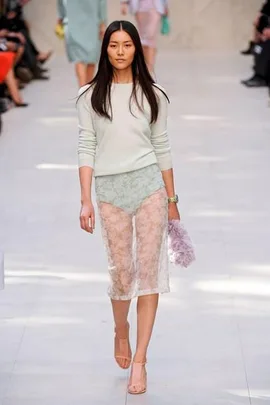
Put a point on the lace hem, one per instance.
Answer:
(139, 294)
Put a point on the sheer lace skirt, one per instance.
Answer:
(133, 210)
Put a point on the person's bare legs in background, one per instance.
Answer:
(12, 86)
(150, 57)
(90, 72)
(81, 72)
(85, 73)
(149, 26)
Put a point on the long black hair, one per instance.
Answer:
(101, 95)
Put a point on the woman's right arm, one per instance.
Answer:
(86, 155)
(61, 11)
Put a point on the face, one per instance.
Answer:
(121, 50)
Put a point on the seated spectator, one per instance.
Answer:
(265, 11)
(7, 76)
(20, 60)
(12, 22)
(261, 74)
(15, 22)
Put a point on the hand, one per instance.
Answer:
(87, 217)
(3, 33)
(266, 34)
(11, 15)
(166, 12)
(21, 38)
(11, 46)
(124, 8)
(102, 29)
(18, 35)
(173, 211)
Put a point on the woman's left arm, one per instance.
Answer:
(166, 7)
(160, 142)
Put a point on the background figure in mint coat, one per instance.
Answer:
(84, 23)
(148, 15)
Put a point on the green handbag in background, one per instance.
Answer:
(165, 25)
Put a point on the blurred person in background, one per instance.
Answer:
(264, 11)
(8, 78)
(16, 22)
(261, 51)
(17, 31)
(84, 22)
(148, 15)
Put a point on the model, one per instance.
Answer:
(148, 15)
(84, 24)
(123, 143)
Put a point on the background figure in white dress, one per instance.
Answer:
(148, 15)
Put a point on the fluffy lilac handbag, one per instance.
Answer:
(181, 250)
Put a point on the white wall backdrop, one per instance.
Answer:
(196, 24)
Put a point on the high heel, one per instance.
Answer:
(122, 346)
(21, 104)
(138, 379)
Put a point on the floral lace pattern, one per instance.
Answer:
(135, 236)
(128, 190)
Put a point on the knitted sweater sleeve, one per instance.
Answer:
(87, 136)
(159, 134)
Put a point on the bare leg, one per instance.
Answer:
(146, 313)
(81, 72)
(151, 229)
(90, 72)
(117, 232)
(122, 348)
(13, 88)
(150, 57)
(19, 54)
(120, 314)
(146, 56)
(149, 25)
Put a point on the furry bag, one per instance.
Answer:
(181, 250)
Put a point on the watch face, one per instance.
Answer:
(174, 199)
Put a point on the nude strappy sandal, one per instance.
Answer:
(138, 379)
(122, 346)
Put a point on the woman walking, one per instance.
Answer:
(148, 17)
(84, 23)
(123, 141)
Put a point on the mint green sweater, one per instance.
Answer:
(128, 142)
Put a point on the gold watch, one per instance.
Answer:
(173, 199)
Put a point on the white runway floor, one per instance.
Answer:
(211, 341)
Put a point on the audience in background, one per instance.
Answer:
(20, 60)
(265, 11)
(260, 48)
